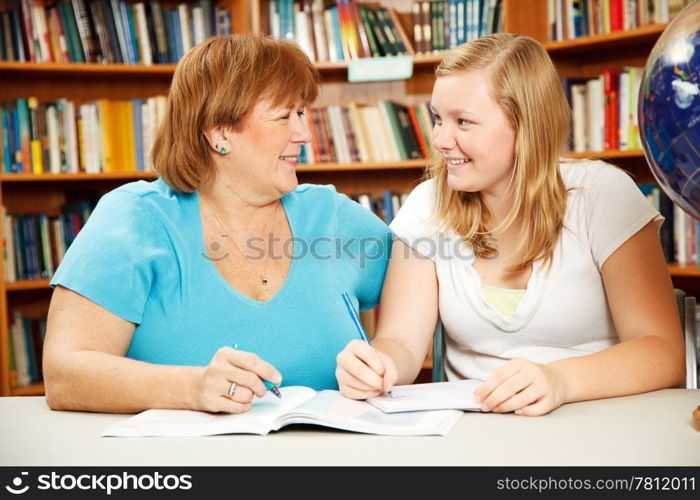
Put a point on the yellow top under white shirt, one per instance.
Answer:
(504, 300)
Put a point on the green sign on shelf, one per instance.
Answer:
(374, 69)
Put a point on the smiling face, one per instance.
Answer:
(472, 133)
(264, 149)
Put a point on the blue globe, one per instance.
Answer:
(669, 110)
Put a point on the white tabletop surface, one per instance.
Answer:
(647, 429)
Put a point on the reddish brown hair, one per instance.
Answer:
(216, 84)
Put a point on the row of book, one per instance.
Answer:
(62, 137)
(680, 232)
(443, 24)
(604, 110)
(569, 19)
(117, 136)
(26, 347)
(34, 245)
(339, 30)
(686, 237)
(387, 132)
(107, 31)
(385, 206)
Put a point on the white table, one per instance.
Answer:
(648, 429)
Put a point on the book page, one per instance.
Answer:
(435, 396)
(331, 409)
(259, 420)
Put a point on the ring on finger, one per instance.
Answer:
(232, 389)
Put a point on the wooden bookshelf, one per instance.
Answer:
(585, 56)
(46, 193)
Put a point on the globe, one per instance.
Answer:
(669, 110)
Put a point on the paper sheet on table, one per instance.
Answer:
(457, 395)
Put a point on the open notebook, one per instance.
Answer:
(458, 395)
(298, 405)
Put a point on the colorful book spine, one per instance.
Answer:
(25, 135)
(7, 142)
(419, 134)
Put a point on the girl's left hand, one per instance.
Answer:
(523, 387)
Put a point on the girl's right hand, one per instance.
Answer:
(364, 372)
(227, 367)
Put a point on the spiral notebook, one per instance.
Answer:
(298, 405)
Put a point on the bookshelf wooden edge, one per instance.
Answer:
(594, 42)
(419, 61)
(86, 68)
(684, 270)
(302, 168)
(126, 176)
(36, 389)
(17, 286)
(166, 70)
(597, 155)
(352, 167)
(116, 176)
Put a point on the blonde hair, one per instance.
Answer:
(216, 84)
(526, 86)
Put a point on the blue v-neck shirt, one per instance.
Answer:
(142, 256)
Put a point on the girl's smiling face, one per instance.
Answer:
(473, 134)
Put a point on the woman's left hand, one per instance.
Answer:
(523, 387)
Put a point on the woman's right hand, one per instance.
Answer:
(229, 366)
(364, 372)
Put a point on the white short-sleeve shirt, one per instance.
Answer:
(564, 312)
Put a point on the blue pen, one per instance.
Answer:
(355, 319)
(353, 315)
(270, 386)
